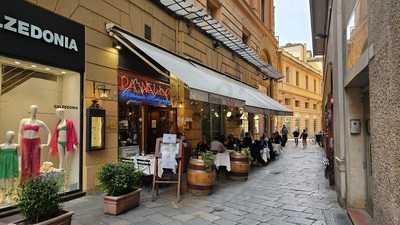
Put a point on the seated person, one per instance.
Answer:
(232, 142)
(217, 145)
(202, 146)
(255, 150)
(247, 140)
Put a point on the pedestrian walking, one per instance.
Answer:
(303, 137)
(284, 133)
(296, 134)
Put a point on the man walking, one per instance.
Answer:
(296, 134)
(284, 133)
(303, 137)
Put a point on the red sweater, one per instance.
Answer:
(72, 138)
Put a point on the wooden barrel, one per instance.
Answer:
(200, 181)
(239, 167)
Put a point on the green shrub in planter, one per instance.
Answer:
(119, 178)
(38, 199)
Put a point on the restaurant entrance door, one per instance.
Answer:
(160, 120)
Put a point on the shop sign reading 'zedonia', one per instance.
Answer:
(137, 88)
(32, 33)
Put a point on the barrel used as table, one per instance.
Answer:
(200, 181)
(239, 166)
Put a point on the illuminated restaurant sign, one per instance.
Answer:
(137, 88)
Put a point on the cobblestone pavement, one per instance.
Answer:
(289, 191)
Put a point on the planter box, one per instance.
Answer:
(117, 205)
(62, 219)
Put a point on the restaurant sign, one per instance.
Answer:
(141, 89)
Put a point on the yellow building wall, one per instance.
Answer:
(102, 59)
(288, 92)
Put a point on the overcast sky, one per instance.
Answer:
(292, 22)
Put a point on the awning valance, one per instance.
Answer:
(205, 84)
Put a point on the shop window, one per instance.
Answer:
(147, 32)
(297, 103)
(287, 75)
(244, 127)
(306, 105)
(307, 124)
(39, 104)
(297, 123)
(297, 78)
(287, 101)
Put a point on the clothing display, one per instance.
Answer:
(8, 162)
(30, 158)
(67, 131)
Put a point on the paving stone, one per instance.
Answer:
(290, 191)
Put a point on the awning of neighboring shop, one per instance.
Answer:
(205, 84)
(319, 11)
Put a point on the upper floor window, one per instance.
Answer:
(287, 101)
(306, 105)
(297, 78)
(262, 11)
(287, 75)
(297, 103)
(213, 8)
(314, 106)
(357, 33)
(245, 35)
(315, 85)
(307, 82)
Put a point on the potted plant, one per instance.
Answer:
(39, 202)
(120, 181)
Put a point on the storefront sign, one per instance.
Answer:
(137, 88)
(221, 100)
(41, 36)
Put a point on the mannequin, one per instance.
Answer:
(9, 170)
(64, 138)
(29, 141)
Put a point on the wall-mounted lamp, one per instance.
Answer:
(116, 45)
(102, 90)
(320, 36)
(216, 44)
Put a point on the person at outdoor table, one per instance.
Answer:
(232, 142)
(202, 146)
(217, 145)
(277, 138)
(255, 150)
(247, 140)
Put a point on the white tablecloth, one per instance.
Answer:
(265, 154)
(223, 159)
(277, 148)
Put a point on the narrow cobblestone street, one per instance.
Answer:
(289, 191)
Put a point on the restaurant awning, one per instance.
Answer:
(205, 84)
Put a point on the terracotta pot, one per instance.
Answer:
(63, 219)
(115, 205)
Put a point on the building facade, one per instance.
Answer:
(361, 63)
(102, 74)
(300, 90)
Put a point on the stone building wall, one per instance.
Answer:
(384, 79)
(167, 32)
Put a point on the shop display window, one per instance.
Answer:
(39, 126)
